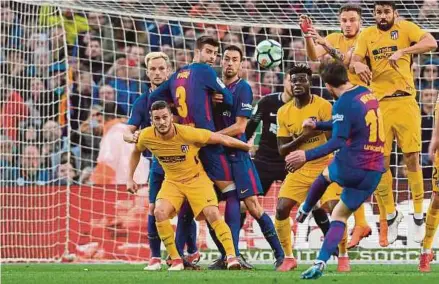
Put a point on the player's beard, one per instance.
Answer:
(387, 26)
(351, 35)
(164, 132)
(230, 75)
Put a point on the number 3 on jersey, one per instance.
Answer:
(180, 94)
(374, 120)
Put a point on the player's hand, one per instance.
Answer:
(132, 186)
(305, 24)
(132, 138)
(309, 123)
(218, 98)
(312, 32)
(363, 71)
(394, 57)
(433, 148)
(295, 160)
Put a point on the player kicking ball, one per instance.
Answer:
(358, 136)
(176, 148)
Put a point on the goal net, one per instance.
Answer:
(70, 72)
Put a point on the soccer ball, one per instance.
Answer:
(269, 53)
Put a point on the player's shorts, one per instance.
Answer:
(155, 183)
(298, 183)
(198, 190)
(269, 174)
(402, 120)
(245, 175)
(358, 184)
(215, 163)
(435, 179)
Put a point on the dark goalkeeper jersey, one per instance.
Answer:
(266, 111)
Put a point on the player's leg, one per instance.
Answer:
(361, 228)
(248, 187)
(186, 234)
(169, 201)
(219, 171)
(203, 201)
(431, 222)
(330, 199)
(155, 182)
(408, 132)
(351, 199)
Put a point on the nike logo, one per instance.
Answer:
(244, 191)
(289, 125)
(209, 200)
(273, 114)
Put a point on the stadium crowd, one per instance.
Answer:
(57, 100)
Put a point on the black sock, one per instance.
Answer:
(321, 219)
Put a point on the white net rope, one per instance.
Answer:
(70, 72)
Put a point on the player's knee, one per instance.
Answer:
(254, 207)
(161, 214)
(283, 208)
(341, 212)
(211, 213)
(151, 209)
(412, 161)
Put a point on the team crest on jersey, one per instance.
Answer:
(394, 35)
(185, 148)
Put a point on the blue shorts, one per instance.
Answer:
(156, 167)
(358, 184)
(245, 175)
(155, 183)
(215, 163)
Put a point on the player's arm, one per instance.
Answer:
(356, 64)
(425, 42)
(228, 141)
(235, 129)
(255, 119)
(434, 142)
(131, 135)
(315, 45)
(132, 187)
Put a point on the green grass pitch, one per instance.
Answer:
(130, 273)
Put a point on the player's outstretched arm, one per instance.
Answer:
(134, 161)
(286, 145)
(228, 141)
(235, 129)
(254, 120)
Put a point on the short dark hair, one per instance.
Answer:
(301, 68)
(350, 7)
(235, 48)
(334, 73)
(385, 3)
(205, 39)
(158, 105)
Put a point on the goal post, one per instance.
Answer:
(70, 72)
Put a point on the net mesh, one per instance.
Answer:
(70, 72)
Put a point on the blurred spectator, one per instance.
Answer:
(29, 170)
(128, 31)
(106, 95)
(211, 10)
(10, 29)
(37, 41)
(270, 82)
(30, 133)
(88, 137)
(53, 144)
(57, 43)
(233, 39)
(84, 92)
(15, 66)
(429, 12)
(297, 53)
(127, 85)
(13, 111)
(66, 174)
(248, 71)
(92, 59)
(114, 153)
(430, 74)
(7, 157)
(33, 100)
(182, 57)
(100, 26)
(253, 36)
(40, 63)
(162, 32)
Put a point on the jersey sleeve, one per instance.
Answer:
(138, 113)
(244, 107)
(215, 84)
(414, 32)
(141, 143)
(282, 130)
(341, 121)
(162, 93)
(255, 119)
(361, 45)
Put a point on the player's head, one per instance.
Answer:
(334, 74)
(301, 76)
(231, 61)
(206, 50)
(385, 14)
(157, 67)
(161, 117)
(350, 20)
